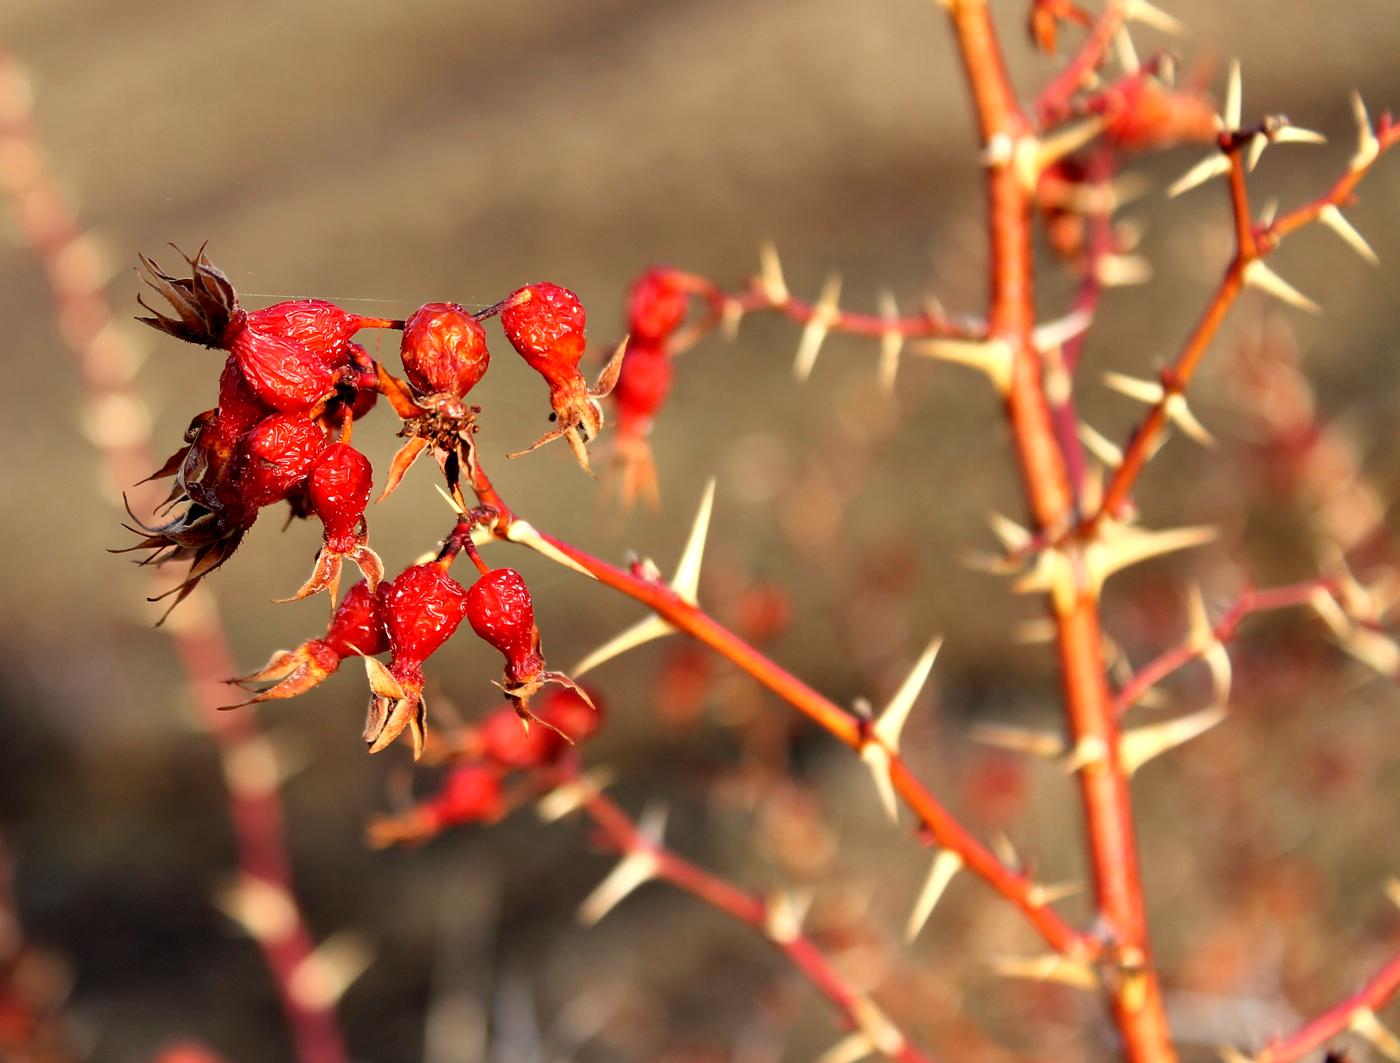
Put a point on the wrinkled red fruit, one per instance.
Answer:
(545, 324)
(356, 628)
(443, 351)
(656, 306)
(338, 489)
(320, 328)
(421, 608)
(281, 372)
(274, 457)
(502, 614)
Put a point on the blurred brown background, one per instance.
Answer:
(389, 154)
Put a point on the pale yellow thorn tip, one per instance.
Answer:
(1366, 1025)
(945, 865)
(1368, 147)
(1211, 649)
(783, 914)
(264, 910)
(1142, 744)
(1145, 391)
(1231, 1054)
(322, 978)
(634, 870)
(524, 533)
(1148, 15)
(1056, 333)
(992, 357)
(1125, 51)
(1259, 276)
(686, 582)
(850, 1049)
(1011, 535)
(1123, 271)
(775, 289)
(1334, 219)
(569, 797)
(890, 723)
(824, 315)
(452, 503)
(1257, 144)
(1045, 744)
(1050, 967)
(1293, 134)
(1209, 167)
(891, 342)
(877, 758)
(1234, 97)
(648, 629)
(1180, 415)
(1100, 446)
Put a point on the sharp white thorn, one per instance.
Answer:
(451, 502)
(645, 630)
(1132, 546)
(1367, 1026)
(1332, 217)
(1145, 391)
(891, 342)
(1255, 152)
(945, 865)
(890, 724)
(635, 869)
(992, 357)
(1056, 333)
(1142, 744)
(1368, 147)
(770, 274)
(569, 797)
(1259, 276)
(1209, 167)
(1234, 97)
(322, 978)
(1126, 52)
(1051, 967)
(1012, 535)
(877, 759)
(1148, 15)
(1100, 446)
(1181, 415)
(1269, 212)
(1292, 134)
(686, 582)
(1123, 271)
(824, 313)
(524, 533)
(1044, 744)
(850, 1049)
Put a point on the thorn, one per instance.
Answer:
(1142, 744)
(1255, 152)
(1211, 649)
(1179, 414)
(1145, 391)
(824, 314)
(850, 1049)
(1234, 97)
(1057, 333)
(1033, 156)
(1392, 891)
(1046, 894)
(1260, 276)
(1209, 167)
(1005, 851)
(890, 723)
(1292, 134)
(730, 314)
(263, 909)
(1142, 11)
(686, 582)
(1051, 967)
(1366, 1025)
(1012, 536)
(524, 533)
(1089, 750)
(569, 797)
(645, 630)
(1335, 220)
(452, 503)
(1368, 147)
(891, 342)
(1269, 212)
(1123, 271)
(992, 357)
(770, 273)
(1123, 547)
(1331, 613)
(877, 758)
(1044, 744)
(1126, 53)
(1099, 445)
(635, 869)
(783, 913)
(322, 978)
(945, 865)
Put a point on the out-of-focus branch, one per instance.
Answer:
(263, 901)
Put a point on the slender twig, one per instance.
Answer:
(774, 920)
(120, 429)
(1357, 1013)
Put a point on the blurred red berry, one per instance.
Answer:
(656, 305)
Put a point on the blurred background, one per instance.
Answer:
(388, 155)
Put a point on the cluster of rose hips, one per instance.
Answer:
(292, 386)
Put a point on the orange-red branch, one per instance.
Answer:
(857, 1009)
(1375, 994)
